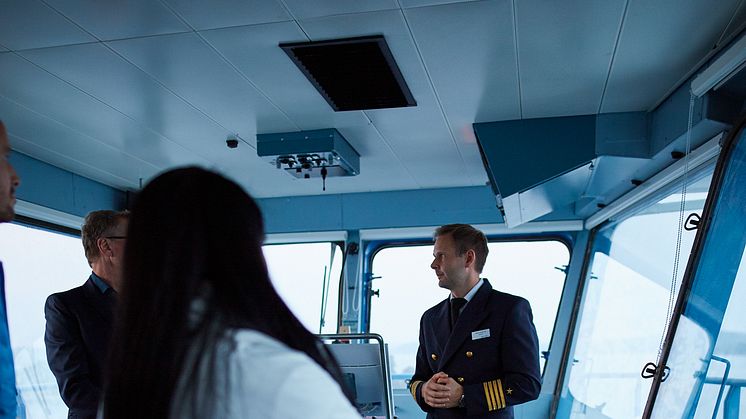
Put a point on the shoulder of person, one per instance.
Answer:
(300, 387)
(507, 301)
(257, 347)
(437, 307)
(65, 297)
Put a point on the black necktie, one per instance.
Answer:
(456, 305)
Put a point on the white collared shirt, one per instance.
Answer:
(469, 295)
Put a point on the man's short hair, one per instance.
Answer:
(99, 224)
(466, 237)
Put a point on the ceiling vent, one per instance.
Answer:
(352, 73)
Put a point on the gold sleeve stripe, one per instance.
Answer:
(498, 405)
(487, 394)
(502, 395)
(413, 389)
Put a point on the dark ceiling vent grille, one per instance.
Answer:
(352, 73)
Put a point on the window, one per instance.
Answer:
(626, 302)
(707, 357)
(307, 276)
(37, 263)
(531, 269)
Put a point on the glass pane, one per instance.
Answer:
(301, 274)
(408, 287)
(626, 300)
(708, 357)
(37, 263)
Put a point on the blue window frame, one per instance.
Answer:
(705, 352)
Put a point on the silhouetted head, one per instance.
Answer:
(193, 234)
(191, 229)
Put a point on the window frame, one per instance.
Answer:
(593, 235)
(372, 248)
(737, 135)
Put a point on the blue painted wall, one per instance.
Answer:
(58, 189)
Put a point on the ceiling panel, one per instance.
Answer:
(3, 49)
(303, 9)
(421, 3)
(222, 13)
(35, 89)
(101, 73)
(563, 67)
(120, 19)
(473, 69)
(45, 139)
(377, 172)
(32, 24)
(739, 21)
(255, 52)
(651, 56)
(409, 129)
(186, 65)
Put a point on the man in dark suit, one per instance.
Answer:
(478, 353)
(9, 181)
(79, 320)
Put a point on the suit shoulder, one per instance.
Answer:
(434, 309)
(65, 297)
(508, 300)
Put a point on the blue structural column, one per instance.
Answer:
(352, 288)
(559, 361)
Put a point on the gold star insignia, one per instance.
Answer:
(510, 391)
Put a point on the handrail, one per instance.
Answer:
(722, 383)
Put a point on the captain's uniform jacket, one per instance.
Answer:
(493, 353)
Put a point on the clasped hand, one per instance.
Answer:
(442, 391)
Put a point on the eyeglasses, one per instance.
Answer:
(116, 237)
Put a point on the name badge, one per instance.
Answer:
(480, 334)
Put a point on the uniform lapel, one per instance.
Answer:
(442, 325)
(473, 313)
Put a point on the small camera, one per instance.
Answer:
(231, 143)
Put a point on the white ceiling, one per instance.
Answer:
(119, 91)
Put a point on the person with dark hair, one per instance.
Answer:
(201, 332)
(79, 320)
(9, 181)
(479, 353)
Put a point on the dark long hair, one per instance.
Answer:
(191, 229)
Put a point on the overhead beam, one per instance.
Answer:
(44, 186)
(373, 210)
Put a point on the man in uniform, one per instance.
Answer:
(79, 321)
(478, 353)
(9, 181)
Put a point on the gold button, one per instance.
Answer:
(460, 379)
(434, 357)
(469, 354)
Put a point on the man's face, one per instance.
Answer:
(449, 267)
(9, 180)
(117, 239)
